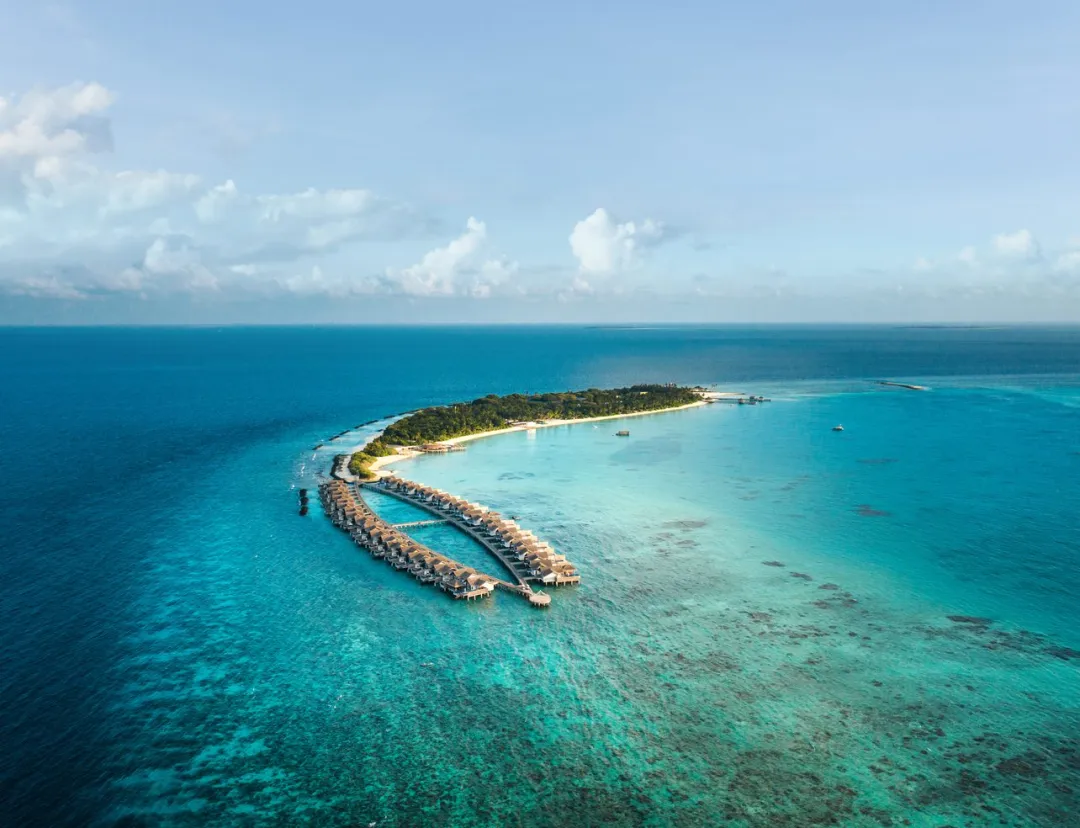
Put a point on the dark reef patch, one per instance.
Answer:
(866, 510)
(516, 475)
(1064, 653)
(838, 601)
(684, 524)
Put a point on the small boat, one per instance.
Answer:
(837, 428)
(622, 433)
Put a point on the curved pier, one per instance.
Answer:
(348, 511)
(523, 554)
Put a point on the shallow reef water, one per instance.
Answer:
(778, 624)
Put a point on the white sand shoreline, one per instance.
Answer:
(408, 453)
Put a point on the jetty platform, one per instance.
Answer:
(349, 512)
(907, 385)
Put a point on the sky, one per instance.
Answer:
(686, 161)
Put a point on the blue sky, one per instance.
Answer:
(691, 161)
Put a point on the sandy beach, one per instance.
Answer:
(551, 423)
(408, 454)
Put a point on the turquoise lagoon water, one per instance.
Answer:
(762, 637)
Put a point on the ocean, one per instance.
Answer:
(778, 624)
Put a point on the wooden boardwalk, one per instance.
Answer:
(509, 565)
(348, 511)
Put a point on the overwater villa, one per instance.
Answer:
(525, 556)
(349, 512)
(518, 549)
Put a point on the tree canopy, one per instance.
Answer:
(488, 413)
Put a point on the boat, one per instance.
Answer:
(837, 428)
(623, 433)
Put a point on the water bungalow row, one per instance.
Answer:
(350, 513)
(439, 448)
(528, 557)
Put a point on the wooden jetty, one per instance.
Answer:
(908, 386)
(525, 556)
(738, 399)
(349, 512)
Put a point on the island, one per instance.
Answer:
(525, 559)
(440, 427)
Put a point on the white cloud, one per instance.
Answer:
(577, 288)
(454, 268)
(1021, 245)
(436, 272)
(174, 258)
(132, 190)
(314, 282)
(101, 230)
(310, 221)
(43, 127)
(1068, 262)
(968, 256)
(44, 287)
(602, 245)
(214, 203)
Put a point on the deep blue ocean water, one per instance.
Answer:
(180, 648)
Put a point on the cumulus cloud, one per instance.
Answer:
(173, 259)
(437, 271)
(454, 268)
(1006, 254)
(1020, 245)
(968, 256)
(602, 245)
(43, 128)
(1068, 262)
(70, 227)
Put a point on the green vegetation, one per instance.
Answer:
(431, 425)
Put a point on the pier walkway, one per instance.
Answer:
(523, 554)
(349, 512)
(521, 578)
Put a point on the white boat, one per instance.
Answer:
(837, 428)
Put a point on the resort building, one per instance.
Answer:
(518, 549)
(525, 556)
